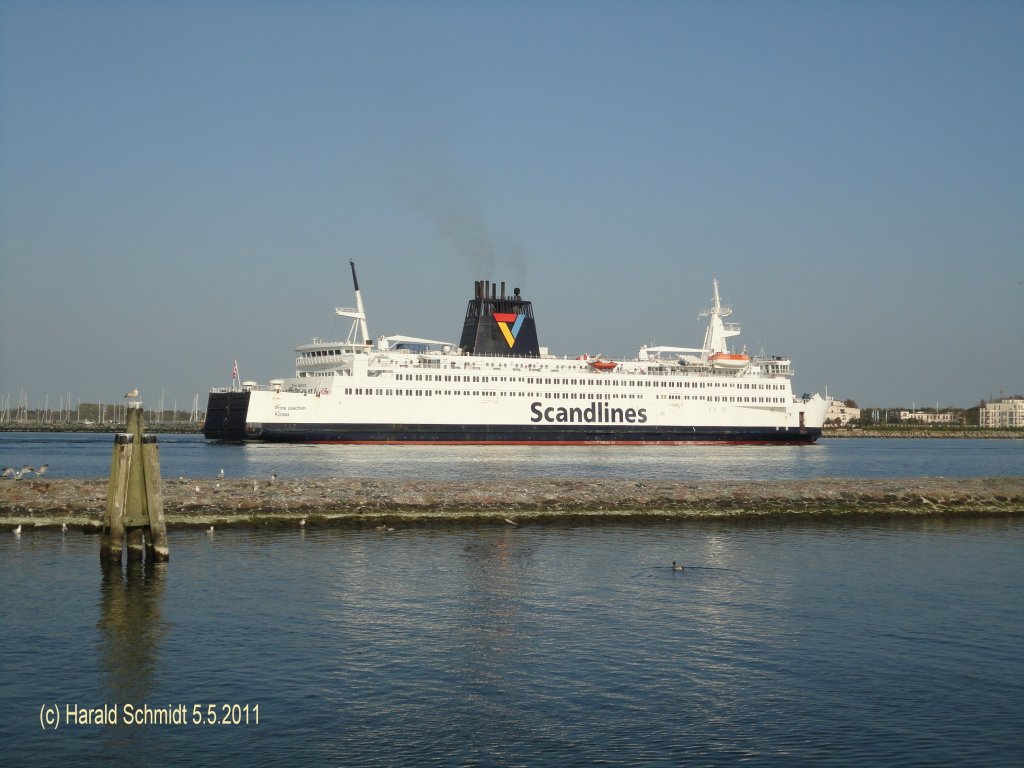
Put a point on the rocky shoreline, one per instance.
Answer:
(941, 433)
(389, 503)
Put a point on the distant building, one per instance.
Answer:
(839, 414)
(929, 417)
(1008, 412)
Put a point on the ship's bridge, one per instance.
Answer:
(322, 354)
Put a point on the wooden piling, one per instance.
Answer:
(157, 548)
(134, 514)
(112, 541)
(135, 539)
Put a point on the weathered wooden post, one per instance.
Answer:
(112, 541)
(135, 508)
(157, 547)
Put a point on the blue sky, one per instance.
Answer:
(182, 184)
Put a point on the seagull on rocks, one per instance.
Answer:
(7, 473)
(220, 475)
(133, 394)
(273, 478)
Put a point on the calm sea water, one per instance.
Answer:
(88, 455)
(897, 643)
(894, 642)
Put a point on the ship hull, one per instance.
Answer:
(226, 421)
(226, 414)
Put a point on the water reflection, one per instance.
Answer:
(803, 643)
(488, 611)
(131, 628)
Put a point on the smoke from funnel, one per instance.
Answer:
(462, 224)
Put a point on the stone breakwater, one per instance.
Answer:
(341, 502)
(934, 433)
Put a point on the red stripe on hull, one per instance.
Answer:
(560, 442)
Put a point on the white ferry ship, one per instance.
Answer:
(499, 386)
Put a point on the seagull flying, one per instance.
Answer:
(42, 470)
(26, 470)
(220, 475)
(8, 472)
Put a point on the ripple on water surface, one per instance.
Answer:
(77, 455)
(842, 644)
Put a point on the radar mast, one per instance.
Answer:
(357, 315)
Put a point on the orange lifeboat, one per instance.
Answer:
(603, 365)
(729, 360)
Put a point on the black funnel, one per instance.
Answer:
(499, 326)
